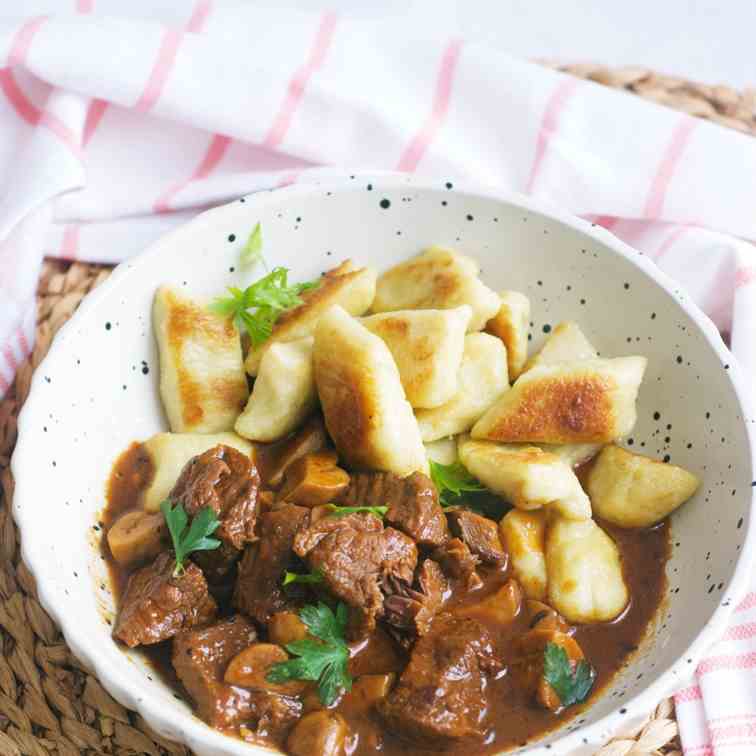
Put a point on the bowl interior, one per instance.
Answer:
(97, 392)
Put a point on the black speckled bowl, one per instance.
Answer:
(91, 398)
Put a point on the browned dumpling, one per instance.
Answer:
(566, 343)
(364, 405)
(439, 279)
(586, 401)
(202, 380)
(351, 289)
(510, 324)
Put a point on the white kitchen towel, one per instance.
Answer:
(119, 121)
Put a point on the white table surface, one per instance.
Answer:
(707, 40)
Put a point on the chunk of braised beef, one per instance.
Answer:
(412, 503)
(479, 533)
(259, 591)
(355, 554)
(441, 695)
(225, 480)
(157, 604)
(413, 608)
(458, 563)
(200, 657)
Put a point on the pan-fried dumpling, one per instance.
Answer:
(427, 347)
(202, 381)
(566, 343)
(351, 289)
(436, 279)
(284, 392)
(524, 537)
(589, 401)
(443, 451)
(481, 380)
(526, 476)
(365, 409)
(585, 572)
(510, 324)
(573, 454)
(635, 491)
(169, 452)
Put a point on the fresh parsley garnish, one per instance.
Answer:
(572, 686)
(257, 307)
(251, 253)
(452, 480)
(324, 660)
(337, 511)
(316, 576)
(189, 538)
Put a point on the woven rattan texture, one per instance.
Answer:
(48, 702)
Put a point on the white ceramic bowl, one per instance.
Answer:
(91, 397)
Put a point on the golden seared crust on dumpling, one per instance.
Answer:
(585, 572)
(528, 477)
(566, 343)
(510, 324)
(436, 279)
(634, 491)
(589, 401)
(284, 392)
(365, 409)
(202, 381)
(524, 537)
(481, 380)
(427, 347)
(573, 454)
(169, 452)
(351, 289)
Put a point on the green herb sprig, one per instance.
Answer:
(324, 660)
(452, 480)
(251, 252)
(337, 511)
(189, 538)
(316, 576)
(257, 307)
(572, 686)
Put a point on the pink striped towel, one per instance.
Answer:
(114, 128)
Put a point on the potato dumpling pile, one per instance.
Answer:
(427, 354)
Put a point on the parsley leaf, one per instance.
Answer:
(269, 296)
(452, 480)
(572, 687)
(251, 252)
(195, 537)
(316, 576)
(336, 511)
(324, 660)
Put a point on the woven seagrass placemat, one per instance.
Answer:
(48, 702)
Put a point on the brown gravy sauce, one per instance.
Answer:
(515, 720)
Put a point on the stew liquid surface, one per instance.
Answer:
(514, 718)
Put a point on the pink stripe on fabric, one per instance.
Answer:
(95, 113)
(22, 340)
(550, 124)
(667, 167)
(63, 132)
(4, 385)
(744, 276)
(84, 6)
(70, 245)
(671, 238)
(21, 104)
(700, 750)
(297, 85)
(199, 16)
(23, 39)
(748, 602)
(740, 632)
(163, 63)
(719, 734)
(693, 693)
(287, 180)
(719, 663)
(606, 221)
(422, 140)
(213, 155)
(10, 357)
